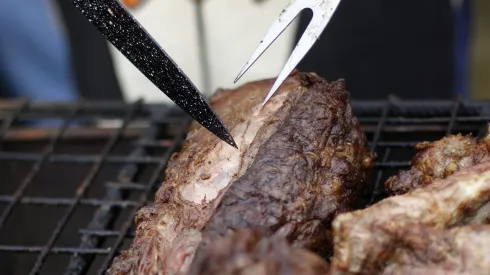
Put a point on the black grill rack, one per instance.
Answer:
(73, 174)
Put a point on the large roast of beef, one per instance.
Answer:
(283, 203)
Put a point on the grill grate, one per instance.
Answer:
(73, 174)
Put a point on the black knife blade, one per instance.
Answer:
(112, 19)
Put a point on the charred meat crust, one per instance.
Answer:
(249, 252)
(311, 169)
(439, 159)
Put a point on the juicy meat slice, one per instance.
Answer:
(167, 233)
(311, 169)
(439, 159)
(250, 252)
(363, 239)
(422, 249)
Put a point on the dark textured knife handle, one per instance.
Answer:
(131, 39)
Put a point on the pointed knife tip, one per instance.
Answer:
(222, 132)
(233, 144)
(228, 138)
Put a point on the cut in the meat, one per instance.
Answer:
(422, 249)
(168, 233)
(311, 169)
(320, 139)
(363, 239)
(249, 252)
(439, 159)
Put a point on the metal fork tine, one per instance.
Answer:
(323, 10)
(308, 39)
(304, 44)
(283, 21)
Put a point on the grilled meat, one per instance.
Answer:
(366, 240)
(439, 159)
(310, 169)
(307, 151)
(249, 252)
(422, 249)
(168, 232)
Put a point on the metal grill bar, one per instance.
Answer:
(381, 124)
(419, 108)
(400, 144)
(156, 160)
(67, 201)
(157, 144)
(392, 164)
(417, 128)
(67, 107)
(56, 250)
(149, 160)
(423, 119)
(454, 114)
(82, 188)
(87, 118)
(374, 143)
(106, 214)
(36, 167)
(362, 108)
(377, 184)
(80, 159)
(427, 120)
(142, 199)
(126, 186)
(7, 123)
(103, 233)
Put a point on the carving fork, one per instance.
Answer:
(322, 10)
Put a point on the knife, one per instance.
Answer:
(112, 19)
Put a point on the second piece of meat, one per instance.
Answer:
(439, 159)
(311, 169)
(366, 240)
(423, 249)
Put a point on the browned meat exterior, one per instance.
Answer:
(248, 252)
(422, 249)
(330, 170)
(168, 233)
(364, 239)
(311, 169)
(439, 159)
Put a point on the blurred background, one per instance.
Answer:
(418, 49)
(413, 49)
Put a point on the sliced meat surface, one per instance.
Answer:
(366, 240)
(168, 233)
(439, 159)
(251, 252)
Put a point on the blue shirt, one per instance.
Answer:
(34, 52)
